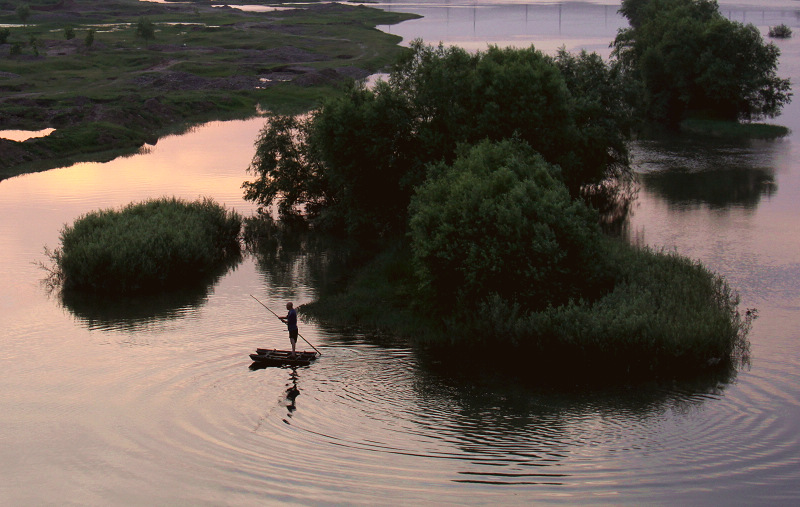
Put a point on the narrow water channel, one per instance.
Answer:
(156, 403)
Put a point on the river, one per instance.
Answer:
(154, 402)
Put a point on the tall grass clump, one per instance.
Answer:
(665, 314)
(143, 247)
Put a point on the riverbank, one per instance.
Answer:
(112, 92)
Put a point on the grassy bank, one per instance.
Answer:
(202, 63)
(145, 247)
(666, 315)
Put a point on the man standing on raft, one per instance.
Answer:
(291, 322)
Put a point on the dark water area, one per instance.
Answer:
(153, 401)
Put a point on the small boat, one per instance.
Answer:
(272, 357)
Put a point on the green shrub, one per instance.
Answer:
(780, 32)
(147, 246)
(499, 221)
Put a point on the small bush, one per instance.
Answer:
(780, 32)
(148, 246)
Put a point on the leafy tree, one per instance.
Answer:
(89, 40)
(145, 29)
(601, 109)
(23, 12)
(504, 93)
(69, 33)
(288, 170)
(499, 221)
(5, 33)
(367, 142)
(691, 60)
(371, 148)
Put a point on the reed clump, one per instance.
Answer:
(148, 246)
(665, 314)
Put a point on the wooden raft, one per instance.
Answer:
(273, 357)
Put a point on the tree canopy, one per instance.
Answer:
(370, 148)
(689, 60)
(499, 221)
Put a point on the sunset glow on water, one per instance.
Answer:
(155, 403)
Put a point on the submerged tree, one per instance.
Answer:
(691, 61)
(781, 31)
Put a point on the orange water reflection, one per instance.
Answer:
(24, 135)
(211, 161)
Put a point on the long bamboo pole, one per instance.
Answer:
(276, 315)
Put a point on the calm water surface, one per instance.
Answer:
(153, 402)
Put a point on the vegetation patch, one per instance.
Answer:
(148, 68)
(666, 316)
(145, 247)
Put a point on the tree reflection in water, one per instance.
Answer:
(716, 173)
(288, 254)
(522, 432)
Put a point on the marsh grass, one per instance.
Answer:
(666, 313)
(145, 247)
